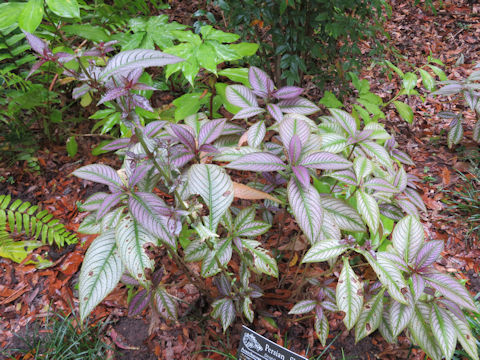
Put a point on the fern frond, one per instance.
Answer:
(21, 216)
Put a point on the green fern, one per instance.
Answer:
(21, 216)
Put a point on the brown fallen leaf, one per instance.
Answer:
(245, 192)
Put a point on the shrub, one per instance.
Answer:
(343, 181)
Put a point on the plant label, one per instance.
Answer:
(254, 346)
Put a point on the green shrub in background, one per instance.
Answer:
(318, 37)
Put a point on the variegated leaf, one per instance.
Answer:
(370, 317)
(210, 131)
(233, 153)
(241, 96)
(345, 120)
(215, 187)
(324, 250)
(196, 251)
(99, 173)
(132, 240)
(322, 329)
(275, 111)
(260, 81)
(465, 336)
(248, 112)
(382, 185)
(224, 309)
(476, 132)
(293, 126)
(408, 237)
(298, 106)
(325, 161)
(217, 257)
(362, 167)
(400, 315)
(377, 153)
(165, 304)
(349, 295)
(247, 309)
(368, 209)
(419, 328)
(263, 261)
(455, 133)
(345, 216)
(333, 143)
(303, 307)
(259, 161)
(256, 133)
(306, 206)
(451, 289)
(101, 271)
(443, 330)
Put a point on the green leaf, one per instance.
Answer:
(409, 82)
(368, 209)
(132, 241)
(395, 68)
(439, 72)
(244, 49)
(72, 146)
(9, 13)
(209, 33)
(349, 295)
(101, 271)
(236, 74)
(370, 317)
(88, 32)
(205, 54)
(189, 104)
(330, 100)
(64, 8)
(215, 187)
(31, 15)
(404, 110)
(427, 80)
(16, 250)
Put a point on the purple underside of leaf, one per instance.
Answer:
(99, 173)
(294, 149)
(113, 94)
(275, 111)
(429, 253)
(184, 136)
(139, 302)
(455, 309)
(260, 161)
(116, 144)
(211, 131)
(451, 289)
(288, 92)
(35, 67)
(127, 279)
(248, 112)
(37, 44)
(301, 173)
(380, 185)
(208, 149)
(81, 90)
(138, 174)
(325, 161)
(142, 102)
(108, 203)
(154, 128)
(298, 106)
(182, 158)
(260, 81)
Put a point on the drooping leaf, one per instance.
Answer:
(443, 330)
(455, 133)
(101, 271)
(134, 59)
(263, 261)
(306, 206)
(322, 329)
(215, 187)
(246, 192)
(349, 295)
(400, 315)
(369, 319)
(165, 304)
(324, 250)
(225, 310)
(465, 337)
(132, 240)
(451, 289)
(419, 328)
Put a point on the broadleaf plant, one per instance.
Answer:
(343, 182)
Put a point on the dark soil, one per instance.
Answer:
(135, 332)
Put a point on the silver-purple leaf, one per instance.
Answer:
(325, 161)
(303, 307)
(294, 149)
(260, 161)
(139, 302)
(166, 305)
(302, 175)
(288, 92)
(261, 83)
(298, 106)
(100, 173)
(415, 198)
(378, 184)
(116, 144)
(184, 136)
(109, 202)
(306, 206)
(93, 202)
(241, 96)
(248, 112)
(210, 131)
(256, 134)
(346, 176)
(275, 111)
(292, 126)
(451, 289)
(402, 157)
(129, 60)
(138, 174)
(429, 253)
(345, 120)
